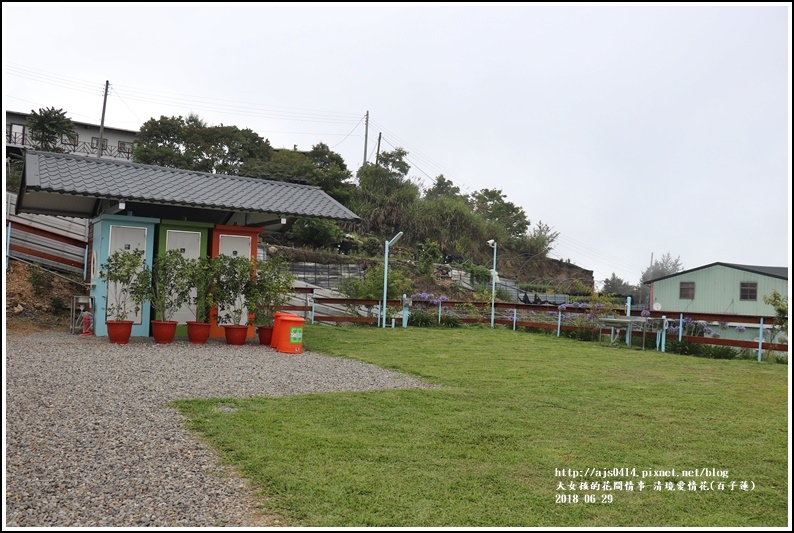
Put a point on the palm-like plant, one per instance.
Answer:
(47, 128)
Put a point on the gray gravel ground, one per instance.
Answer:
(90, 440)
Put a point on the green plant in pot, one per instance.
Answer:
(232, 277)
(128, 285)
(269, 290)
(169, 290)
(200, 274)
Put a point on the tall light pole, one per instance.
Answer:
(386, 272)
(492, 244)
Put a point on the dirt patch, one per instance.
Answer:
(37, 300)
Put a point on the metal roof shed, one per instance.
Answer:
(86, 187)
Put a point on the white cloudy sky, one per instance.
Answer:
(631, 130)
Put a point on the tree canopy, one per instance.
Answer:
(190, 144)
(47, 128)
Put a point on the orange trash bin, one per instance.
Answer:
(290, 336)
(276, 326)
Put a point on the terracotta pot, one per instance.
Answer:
(119, 331)
(198, 332)
(265, 334)
(163, 331)
(235, 335)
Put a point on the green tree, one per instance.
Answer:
(385, 195)
(615, 285)
(442, 188)
(780, 304)
(190, 144)
(47, 128)
(660, 268)
(492, 205)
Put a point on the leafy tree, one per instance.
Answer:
(190, 144)
(492, 205)
(780, 305)
(14, 165)
(314, 232)
(660, 268)
(615, 285)
(385, 195)
(442, 188)
(47, 128)
(371, 285)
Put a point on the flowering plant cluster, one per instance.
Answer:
(429, 297)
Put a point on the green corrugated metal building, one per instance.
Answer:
(723, 288)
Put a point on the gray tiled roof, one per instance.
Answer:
(73, 175)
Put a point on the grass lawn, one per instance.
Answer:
(513, 410)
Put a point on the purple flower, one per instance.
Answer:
(645, 312)
(740, 329)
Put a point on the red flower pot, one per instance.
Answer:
(235, 335)
(119, 331)
(265, 334)
(163, 331)
(198, 332)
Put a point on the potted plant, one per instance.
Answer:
(200, 274)
(128, 281)
(266, 293)
(169, 290)
(233, 275)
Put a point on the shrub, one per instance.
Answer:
(450, 321)
(684, 348)
(719, 352)
(372, 247)
(40, 279)
(58, 305)
(746, 355)
(421, 318)
(781, 359)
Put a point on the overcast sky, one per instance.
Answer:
(630, 130)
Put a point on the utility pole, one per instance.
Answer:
(650, 273)
(366, 134)
(377, 154)
(102, 124)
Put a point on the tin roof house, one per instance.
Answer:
(720, 288)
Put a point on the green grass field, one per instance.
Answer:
(511, 411)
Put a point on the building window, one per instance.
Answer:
(70, 140)
(15, 133)
(125, 147)
(748, 291)
(687, 290)
(95, 142)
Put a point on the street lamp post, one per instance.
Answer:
(492, 244)
(386, 272)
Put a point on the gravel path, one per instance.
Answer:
(90, 440)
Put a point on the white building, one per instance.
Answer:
(116, 143)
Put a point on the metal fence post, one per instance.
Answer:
(760, 339)
(559, 322)
(681, 327)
